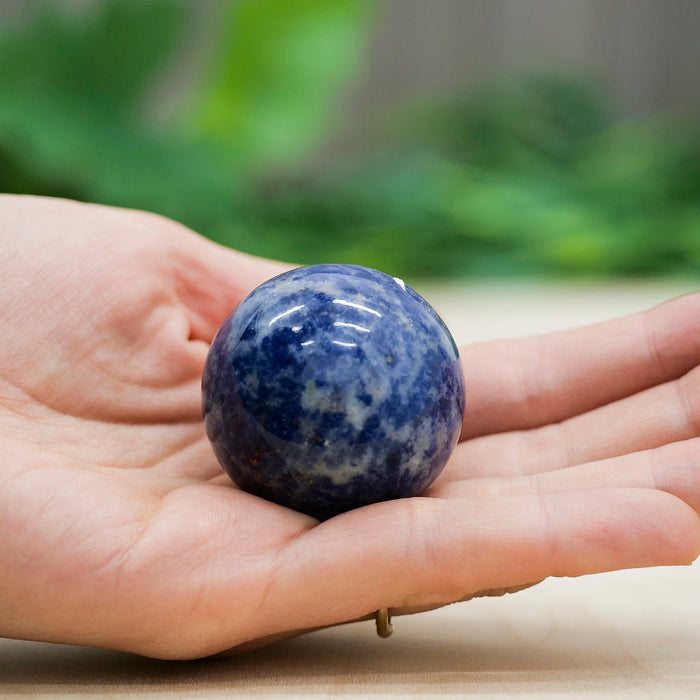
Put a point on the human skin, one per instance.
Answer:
(580, 454)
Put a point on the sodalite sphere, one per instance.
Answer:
(331, 387)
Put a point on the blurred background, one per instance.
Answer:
(463, 139)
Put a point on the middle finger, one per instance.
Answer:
(664, 414)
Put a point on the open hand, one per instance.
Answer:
(119, 529)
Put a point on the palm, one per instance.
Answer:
(125, 532)
(101, 399)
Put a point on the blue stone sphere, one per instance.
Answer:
(331, 387)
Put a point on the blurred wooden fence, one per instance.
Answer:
(648, 51)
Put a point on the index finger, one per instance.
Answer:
(530, 382)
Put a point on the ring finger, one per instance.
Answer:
(673, 468)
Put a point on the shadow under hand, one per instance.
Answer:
(436, 653)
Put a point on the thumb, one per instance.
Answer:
(211, 280)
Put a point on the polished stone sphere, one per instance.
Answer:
(331, 387)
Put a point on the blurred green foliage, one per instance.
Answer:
(530, 177)
(269, 94)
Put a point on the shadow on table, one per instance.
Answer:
(340, 660)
